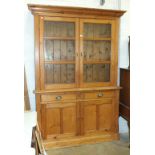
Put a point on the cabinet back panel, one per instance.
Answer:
(97, 50)
(59, 29)
(59, 50)
(49, 76)
(96, 72)
(56, 74)
(97, 30)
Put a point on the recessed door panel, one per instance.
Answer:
(105, 116)
(61, 119)
(53, 121)
(97, 116)
(89, 118)
(69, 120)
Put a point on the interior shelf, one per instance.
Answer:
(96, 62)
(96, 39)
(59, 38)
(59, 62)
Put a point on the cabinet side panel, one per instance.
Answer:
(43, 121)
(37, 68)
(115, 127)
(37, 55)
(116, 50)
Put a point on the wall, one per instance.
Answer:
(124, 33)
(29, 34)
(29, 55)
(110, 4)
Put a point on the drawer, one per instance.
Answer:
(58, 97)
(98, 95)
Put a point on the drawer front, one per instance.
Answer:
(58, 97)
(98, 95)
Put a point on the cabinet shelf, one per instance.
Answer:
(97, 39)
(96, 62)
(59, 38)
(59, 62)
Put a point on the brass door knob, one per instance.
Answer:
(99, 94)
(58, 97)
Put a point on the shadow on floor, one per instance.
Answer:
(120, 147)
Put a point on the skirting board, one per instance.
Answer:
(48, 144)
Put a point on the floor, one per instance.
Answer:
(120, 147)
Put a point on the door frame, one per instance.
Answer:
(41, 52)
(113, 60)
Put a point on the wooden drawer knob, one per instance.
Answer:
(58, 97)
(99, 94)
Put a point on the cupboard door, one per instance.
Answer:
(96, 116)
(97, 38)
(58, 52)
(61, 120)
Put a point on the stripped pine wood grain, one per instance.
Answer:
(56, 30)
(69, 115)
(105, 116)
(70, 73)
(88, 30)
(49, 29)
(49, 73)
(101, 72)
(89, 72)
(70, 50)
(104, 30)
(56, 78)
(85, 71)
(63, 30)
(95, 73)
(89, 118)
(48, 49)
(70, 29)
(105, 50)
(96, 30)
(90, 52)
(107, 73)
(53, 121)
(63, 68)
(56, 49)
(63, 73)
(96, 50)
(78, 95)
(112, 88)
(63, 50)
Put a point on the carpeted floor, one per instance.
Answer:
(120, 147)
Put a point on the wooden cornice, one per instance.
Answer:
(43, 9)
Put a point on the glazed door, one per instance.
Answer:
(96, 116)
(97, 52)
(58, 52)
